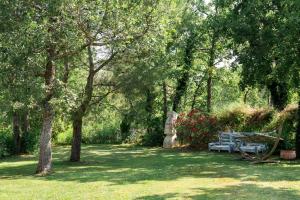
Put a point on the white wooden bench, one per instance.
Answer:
(232, 141)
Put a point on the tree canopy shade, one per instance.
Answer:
(265, 42)
(71, 67)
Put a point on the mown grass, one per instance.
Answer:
(123, 172)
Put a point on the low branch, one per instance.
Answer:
(106, 62)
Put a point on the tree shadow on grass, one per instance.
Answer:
(246, 191)
(157, 197)
(121, 165)
(236, 192)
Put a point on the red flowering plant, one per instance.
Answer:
(196, 128)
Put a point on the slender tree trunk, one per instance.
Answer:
(165, 105)
(125, 126)
(45, 152)
(195, 95)
(66, 71)
(211, 62)
(77, 137)
(16, 132)
(149, 109)
(279, 94)
(79, 113)
(25, 126)
(298, 131)
(246, 96)
(182, 82)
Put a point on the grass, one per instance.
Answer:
(122, 172)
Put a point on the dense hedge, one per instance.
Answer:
(198, 128)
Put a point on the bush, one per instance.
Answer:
(288, 117)
(64, 137)
(154, 136)
(196, 128)
(103, 135)
(6, 142)
(245, 118)
(30, 142)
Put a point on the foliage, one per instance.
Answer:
(239, 117)
(6, 142)
(106, 135)
(196, 128)
(155, 136)
(117, 72)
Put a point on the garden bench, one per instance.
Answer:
(226, 143)
(232, 141)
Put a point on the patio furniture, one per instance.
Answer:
(233, 141)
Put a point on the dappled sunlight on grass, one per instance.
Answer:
(128, 172)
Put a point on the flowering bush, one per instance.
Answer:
(196, 128)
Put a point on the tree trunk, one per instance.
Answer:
(77, 137)
(66, 71)
(45, 152)
(79, 113)
(25, 131)
(246, 96)
(125, 126)
(211, 62)
(298, 131)
(165, 105)
(209, 83)
(149, 109)
(183, 80)
(195, 96)
(279, 94)
(16, 132)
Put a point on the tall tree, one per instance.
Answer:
(266, 36)
(112, 41)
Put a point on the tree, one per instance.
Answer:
(112, 40)
(267, 45)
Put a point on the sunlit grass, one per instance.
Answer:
(124, 172)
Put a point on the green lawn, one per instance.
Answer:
(123, 172)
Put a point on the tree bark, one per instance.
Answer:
(125, 126)
(210, 70)
(198, 86)
(182, 82)
(165, 105)
(279, 94)
(45, 152)
(246, 96)
(25, 126)
(149, 109)
(298, 131)
(79, 113)
(66, 71)
(77, 137)
(17, 132)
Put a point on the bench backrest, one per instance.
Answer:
(228, 138)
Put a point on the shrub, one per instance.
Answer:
(155, 135)
(196, 128)
(30, 141)
(6, 142)
(245, 118)
(103, 135)
(288, 117)
(65, 136)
